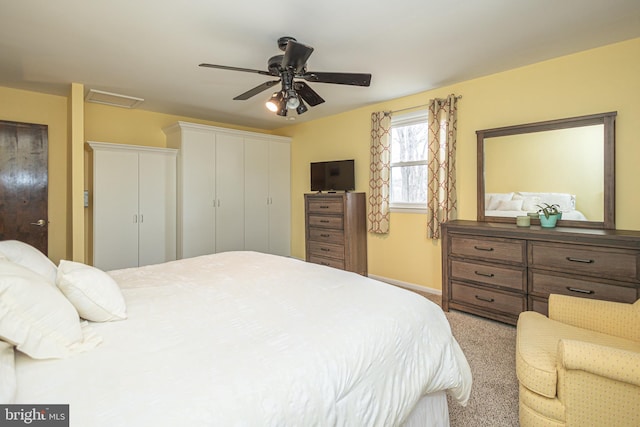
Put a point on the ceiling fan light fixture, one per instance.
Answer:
(301, 108)
(292, 100)
(274, 103)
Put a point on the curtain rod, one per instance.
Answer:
(414, 107)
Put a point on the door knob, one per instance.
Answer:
(39, 223)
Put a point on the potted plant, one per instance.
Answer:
(549, 215)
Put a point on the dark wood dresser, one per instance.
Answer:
(498, 270)
(336, 230)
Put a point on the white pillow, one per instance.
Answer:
(36, 317)
(496, 198)
(30, 257)
(509, 205)
(529, 203)
(95, 295)
(7, 373)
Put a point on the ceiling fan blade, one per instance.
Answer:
(256, 90)
(296, 56)
(226, 67)
(354, 79)
(308, 94)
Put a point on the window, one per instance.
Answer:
(409, 170)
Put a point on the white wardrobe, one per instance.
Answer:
(134, 205)
(233, 190)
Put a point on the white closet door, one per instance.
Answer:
(157, 208)
(280, 198)
(198, 194)
(115, 209)
(256, 195)
(229, 193)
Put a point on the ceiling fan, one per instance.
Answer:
(288, 67)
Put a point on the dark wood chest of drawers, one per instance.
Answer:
(499, 270)
(336, 233)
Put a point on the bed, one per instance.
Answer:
(242, 339)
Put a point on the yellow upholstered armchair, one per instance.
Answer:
(581, 365)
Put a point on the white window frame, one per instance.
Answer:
(420, 116)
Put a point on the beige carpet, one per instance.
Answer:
(490, 349)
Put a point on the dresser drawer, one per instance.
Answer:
(585, 260)
(328, 250)
(494, 274)
(325, 205)
(329, 262)
(512, 251)
(543, 284)
(326, 235)
(491, 299)
(323, 221)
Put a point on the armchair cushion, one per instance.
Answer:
(538, 342)
(612, 318)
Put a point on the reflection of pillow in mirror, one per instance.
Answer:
(496, 198)
(509, 205)
(564, 200)
(529, 203)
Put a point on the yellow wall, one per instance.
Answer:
(136, 127)
(594, 81)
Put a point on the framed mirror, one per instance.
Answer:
(567, 162)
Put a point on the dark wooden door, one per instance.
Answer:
(23, 183)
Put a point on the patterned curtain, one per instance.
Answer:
(442, 199)
(379, 173)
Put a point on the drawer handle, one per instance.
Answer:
(324, 220)
(325, 249)
(325, 235)
(480, 248)
(582, 260)
(484, 274)
(324, 263)
(324, 207)
(484, 299)
(580, 291)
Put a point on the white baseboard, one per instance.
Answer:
(407, 285)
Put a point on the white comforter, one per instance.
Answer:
(248, 339)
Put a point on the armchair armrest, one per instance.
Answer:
(612, 318)
(613, 363)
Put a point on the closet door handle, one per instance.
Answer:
(141, 218)
(135, 218)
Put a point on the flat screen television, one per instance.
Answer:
(333, 176)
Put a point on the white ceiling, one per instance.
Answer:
(151, 48)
